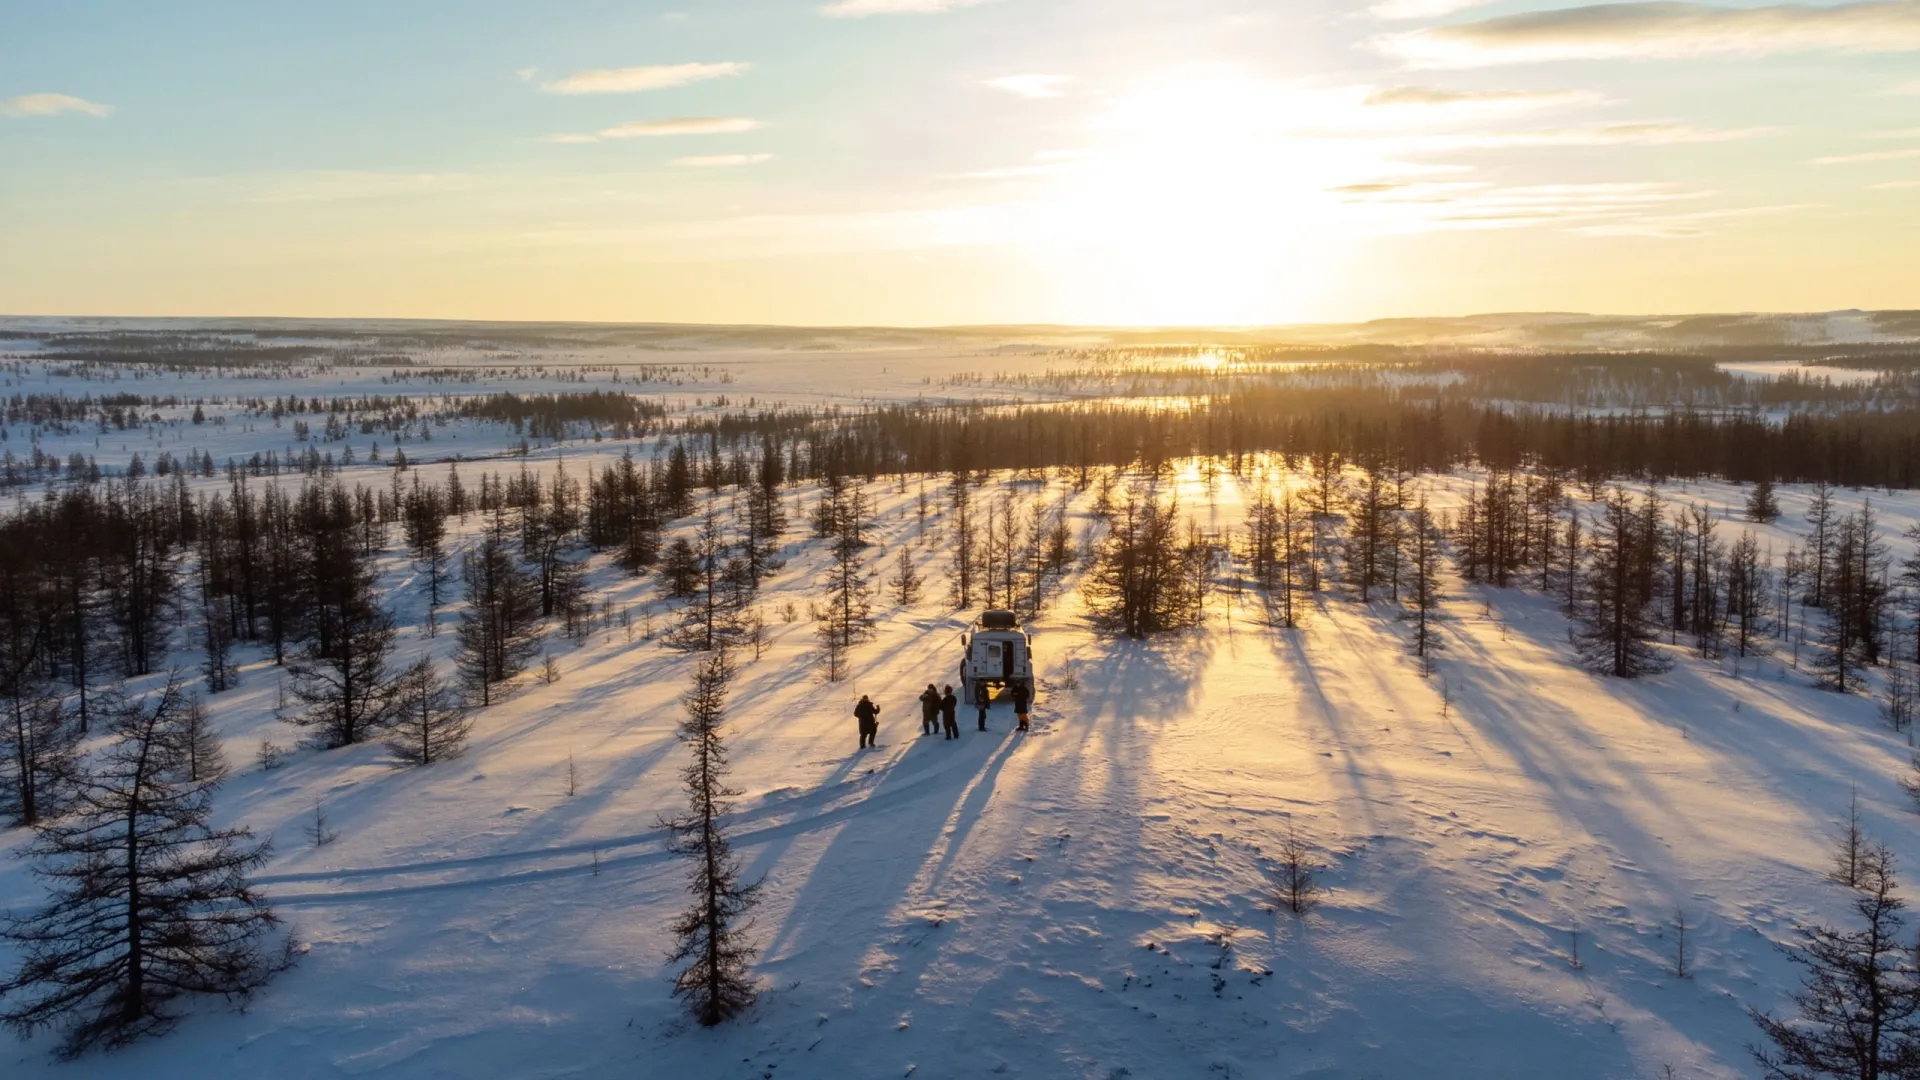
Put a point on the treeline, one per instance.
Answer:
(545, 416)
(1582, 380)
(1862, 449)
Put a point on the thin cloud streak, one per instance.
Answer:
(51, 105)
(1438, 97)
(638, 79)
(1663, 30)
(1616, 209)
(720, 161)
(1862, 159)
(1687, 226)
(680, 125)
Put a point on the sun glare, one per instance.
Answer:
(1196, 205)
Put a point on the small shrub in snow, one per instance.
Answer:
(1910, 783)
(317, 830)
(1897, 704)
(1297, 888)
(200, 751)
(1682, 947)
(270, 755)
(1849, 848)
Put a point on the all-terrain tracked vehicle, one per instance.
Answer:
(997, 655)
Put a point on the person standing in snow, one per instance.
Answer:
(929, 711)
(981, 697)
(949, 707)
(1020, 701)
(869, 716)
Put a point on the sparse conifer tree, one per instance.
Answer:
(347, 690)
(429, 725)
(906, 581)
(846, 617)
(710, 936)
(38, 752)
(1762, 505)
(1423, 567)
(1858, 1000)
(202, 757)
(149, 903)
(499, 631)
(1615, 636)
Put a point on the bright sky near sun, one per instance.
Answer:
(956, 161)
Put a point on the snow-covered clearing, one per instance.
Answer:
(1509, 843)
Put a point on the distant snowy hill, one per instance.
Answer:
(1523, 330)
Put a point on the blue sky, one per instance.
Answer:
(930, 161)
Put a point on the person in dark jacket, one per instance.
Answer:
(982, 697)
(1021, 699)
(929, 711)
(949, 707)
(869, 716)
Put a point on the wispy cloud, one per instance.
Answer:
(636, 79)
(679, 125)
(1907, 88)
(1900, 133)
(721, 161)
(1686, 226)
(860, 9)
(51, 105)
(1663, 30)
(1648, 134)
(1657, 133)
(1894, 185)
(1862, 159)
(1596, 209)
(1032, 86)
(1433, 97)
(1454, 205)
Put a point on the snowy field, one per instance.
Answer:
(1510, 840)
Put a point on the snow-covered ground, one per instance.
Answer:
(1509, 842)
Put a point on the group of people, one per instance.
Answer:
(939, 712)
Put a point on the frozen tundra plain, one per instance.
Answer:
(1508, 841)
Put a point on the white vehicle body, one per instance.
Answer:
(997, 655)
